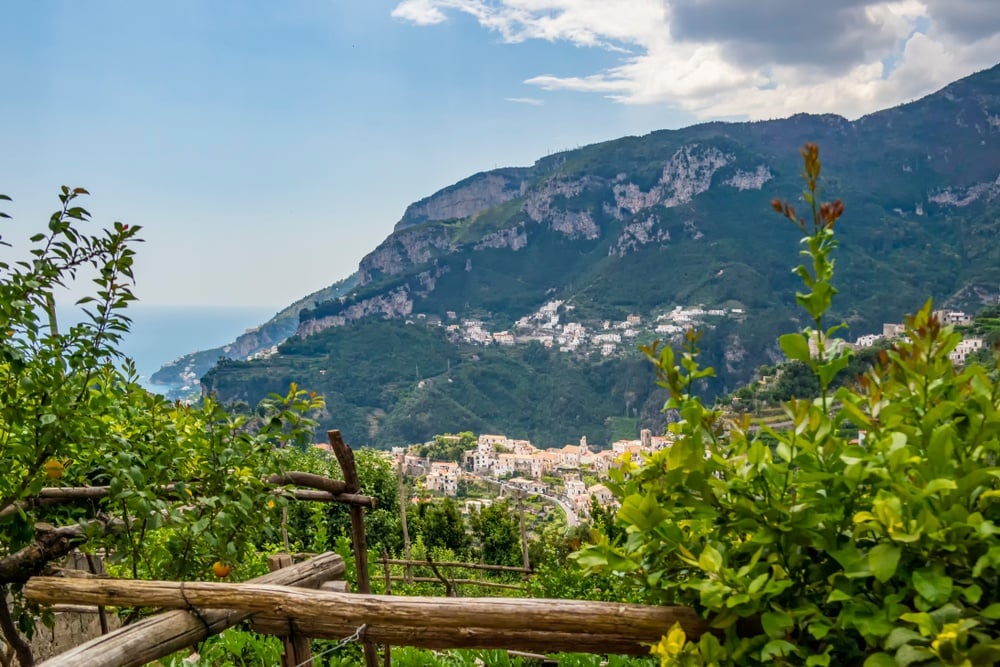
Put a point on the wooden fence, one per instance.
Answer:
(428, 622)
(303, 600)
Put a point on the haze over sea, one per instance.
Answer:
(162, 333)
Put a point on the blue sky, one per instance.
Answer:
(265, 147)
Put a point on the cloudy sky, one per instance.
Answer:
(265, 147)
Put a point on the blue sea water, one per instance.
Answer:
(160, 334)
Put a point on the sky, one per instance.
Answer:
(265, 147)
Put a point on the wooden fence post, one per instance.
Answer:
(298, 649)
(524, 534)
(402, 516)
(352, 485)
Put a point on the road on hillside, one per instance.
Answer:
(572, 520)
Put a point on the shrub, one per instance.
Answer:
(803, 547)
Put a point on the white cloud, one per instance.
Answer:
(764, 59)
(421, 12)
(532, 101)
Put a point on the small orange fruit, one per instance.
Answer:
(220, 569)
(53, 468)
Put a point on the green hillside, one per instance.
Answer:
(387, 383)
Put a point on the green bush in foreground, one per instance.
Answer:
(804, 547)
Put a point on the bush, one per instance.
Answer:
(802, 546)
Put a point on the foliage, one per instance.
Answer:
(233, 648)
(448, 447)
(184, 482)
(440, 524)
(413, 384)
(412, 657)
(803, 548)
(317, 527)
(497, 530)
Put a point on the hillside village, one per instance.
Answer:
(547, 326)
(559, 474)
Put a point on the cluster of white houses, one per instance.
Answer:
(545, 327)
(522, 465)
(966, 346)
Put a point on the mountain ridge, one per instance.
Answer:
(639, 225)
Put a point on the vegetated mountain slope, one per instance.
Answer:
(188, 369)
(386, 383)
(639, 225)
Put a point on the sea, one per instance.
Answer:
(160, 334)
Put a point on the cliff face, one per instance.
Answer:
(391, 305)
(466, 198)
(404, 250)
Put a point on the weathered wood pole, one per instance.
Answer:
(470, 566)
(402, 515)
(298, 648)
(431, 622)
(160, 635)
(345, 457)
(524, 534)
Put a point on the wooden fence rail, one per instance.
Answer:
(450, 564)
(160, 635)
(465, 582)
(430, 622)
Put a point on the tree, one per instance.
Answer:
(441, 525)
(185, 484)
(498, 532)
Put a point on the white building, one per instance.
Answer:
(965, 348)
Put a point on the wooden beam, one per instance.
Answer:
(471, 566)
(345, 457)
(48, 546)
(160, 635)
(67, 494)
(298, 648)
(308, 479)
(433, 622)
(470, 582)
(352, 499)
(636, 642)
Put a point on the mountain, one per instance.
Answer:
(651, 227)
(188, 369)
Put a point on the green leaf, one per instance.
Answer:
(830, 369)
(883, 560)
(643, 512)
(936, 485)
(900, 636)
(991, 612)
(973, 593)
(821, 660)
(777, 648)
(880, 660)
(775, 623)
(795, 346)
(710, 560)
(909, 654)
(932, 586)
